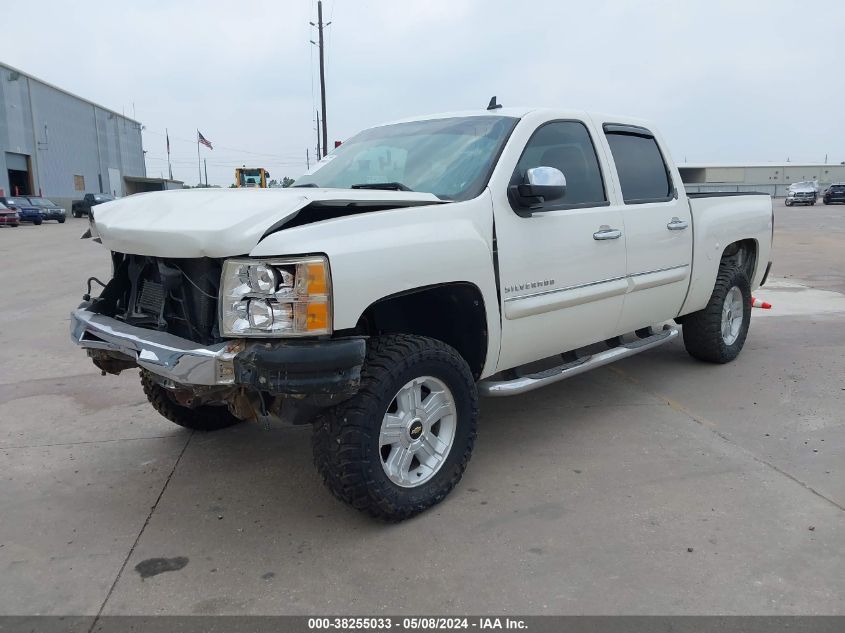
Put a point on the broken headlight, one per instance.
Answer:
(275, 297)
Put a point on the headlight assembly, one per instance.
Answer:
(275, 297)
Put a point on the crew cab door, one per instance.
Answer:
(658, 226)
(561, 265)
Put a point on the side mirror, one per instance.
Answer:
(540, 184)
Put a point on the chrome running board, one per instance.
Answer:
(561, 372)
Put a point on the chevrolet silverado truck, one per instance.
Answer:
(419, 266)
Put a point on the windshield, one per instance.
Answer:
(451, 158)
(17, 202)
(250, 177)
(42, 202)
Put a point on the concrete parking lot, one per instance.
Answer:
(658, 485)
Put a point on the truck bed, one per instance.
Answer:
(718, 219)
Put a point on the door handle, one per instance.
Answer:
(607, 233)
(677, 224)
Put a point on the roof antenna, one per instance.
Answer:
(493, 105)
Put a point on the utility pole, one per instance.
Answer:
(318, 136)
(320, 26)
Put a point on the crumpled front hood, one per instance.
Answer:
(218, 222)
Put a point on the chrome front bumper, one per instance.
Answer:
(326, 368)
(166, 355)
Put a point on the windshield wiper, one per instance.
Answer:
(387, 186)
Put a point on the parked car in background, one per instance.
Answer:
(834, 194)
(804, 192)
(27, 211)
(83, 207)
(8, 217)
(49, 209)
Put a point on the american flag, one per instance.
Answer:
(203, 140)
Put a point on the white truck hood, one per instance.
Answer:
(218, 222)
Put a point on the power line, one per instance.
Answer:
(233, 149)
(231, 163)
(311, 66)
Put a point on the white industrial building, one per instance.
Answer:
(771, 178)
(61, 146)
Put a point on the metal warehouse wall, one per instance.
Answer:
(772, 179)
(65, 136)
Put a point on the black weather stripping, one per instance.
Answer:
(725, 194)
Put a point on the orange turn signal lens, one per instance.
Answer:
(317, 316)
(317, 278)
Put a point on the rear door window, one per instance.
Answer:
(643, 173)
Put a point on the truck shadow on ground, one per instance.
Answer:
(274, 464)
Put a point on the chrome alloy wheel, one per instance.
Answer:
(417, 431)
(733, 311)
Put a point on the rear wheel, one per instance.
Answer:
(717, 333)
(37, 222)
(75, 214)
(61, 220)
(203, 418)
(403, 441)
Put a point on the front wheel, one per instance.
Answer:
(61, 220)
(37, 222)
(202, 418)
(403, 441)
(788, 203)
(717, 333)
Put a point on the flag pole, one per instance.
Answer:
(199, 162)
(169, 168)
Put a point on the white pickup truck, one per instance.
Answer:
(422, 264)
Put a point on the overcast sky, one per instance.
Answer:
(726, 81)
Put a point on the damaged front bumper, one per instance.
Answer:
(290, 367)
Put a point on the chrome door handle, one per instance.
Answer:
(677, 224)
(607, 233)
